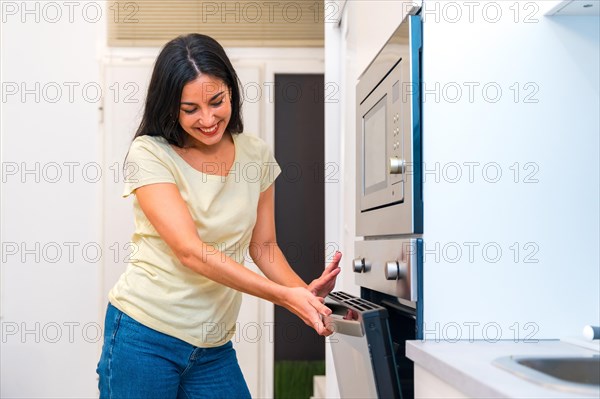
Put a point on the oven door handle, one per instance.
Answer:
(339, 325)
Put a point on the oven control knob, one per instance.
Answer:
(361, 265)
(395, 270)
(396, 166)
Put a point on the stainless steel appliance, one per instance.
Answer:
(388, 140)
(370, 337)
(392, 278)
(388, 262)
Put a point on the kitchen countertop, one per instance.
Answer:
(467, 365)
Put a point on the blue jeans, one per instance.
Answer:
(139, 362)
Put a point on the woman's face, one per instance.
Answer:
(205, 109)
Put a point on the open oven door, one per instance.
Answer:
(362, 348)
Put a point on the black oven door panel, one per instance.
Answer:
(402, 321)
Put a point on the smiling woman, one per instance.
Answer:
(204, 116)
(172, 314)
(205, 108)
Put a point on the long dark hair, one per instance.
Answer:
(181, 61)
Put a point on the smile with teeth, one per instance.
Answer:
(209, 130)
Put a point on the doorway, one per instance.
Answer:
(300, 221)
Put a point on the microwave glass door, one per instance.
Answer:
(381, 144)
(375, 148)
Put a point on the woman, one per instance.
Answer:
(203, 195)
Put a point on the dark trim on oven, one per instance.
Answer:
(420, 304)
(381, 206)
(416, 58)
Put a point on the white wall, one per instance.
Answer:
(543, 140)
(50, 322)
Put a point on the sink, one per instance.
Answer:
(572, 369)
(572, 374)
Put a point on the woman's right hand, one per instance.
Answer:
(308, 307)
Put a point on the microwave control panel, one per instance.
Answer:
(396, 163)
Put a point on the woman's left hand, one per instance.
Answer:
(323, 285)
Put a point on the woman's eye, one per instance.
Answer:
(188, 111)
(217, 103)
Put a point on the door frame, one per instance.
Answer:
(280, 61)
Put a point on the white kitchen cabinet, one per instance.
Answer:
(429, 386)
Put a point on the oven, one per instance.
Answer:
(370, 331)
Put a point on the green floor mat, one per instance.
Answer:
(294, 379)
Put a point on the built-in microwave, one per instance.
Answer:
(388, 140)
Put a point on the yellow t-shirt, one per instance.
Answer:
(156, 289)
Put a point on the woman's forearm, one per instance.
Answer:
(215, 265)
(206, 260)
(271, 261)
